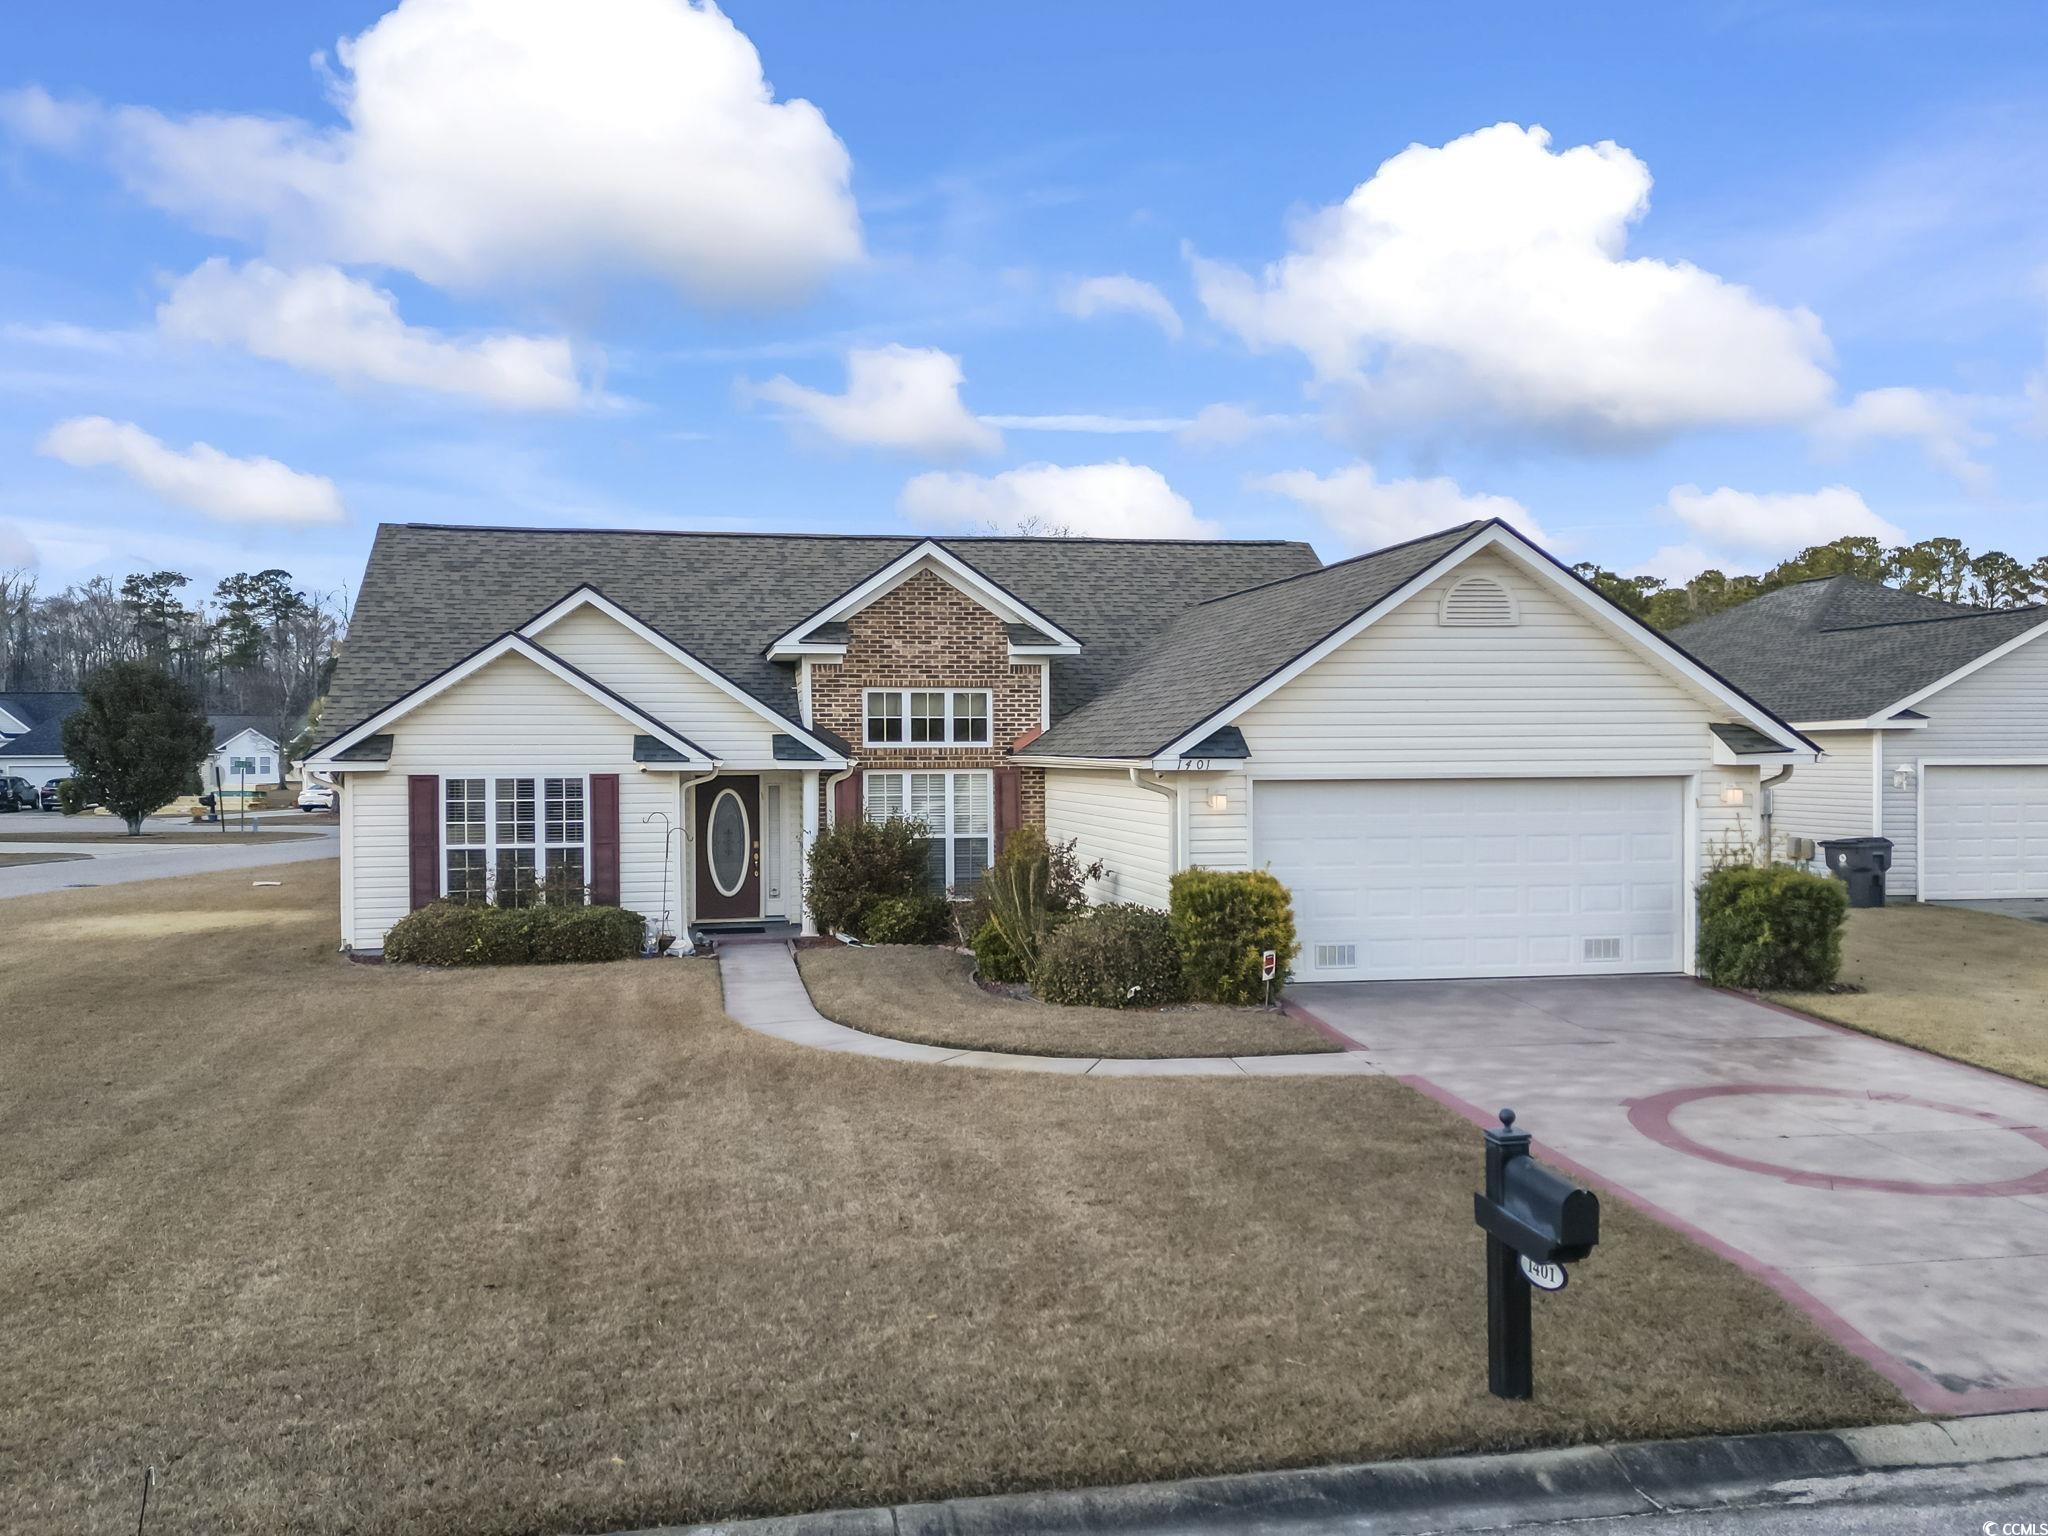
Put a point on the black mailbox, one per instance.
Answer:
(1536, 1221)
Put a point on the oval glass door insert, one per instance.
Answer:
(727, 839)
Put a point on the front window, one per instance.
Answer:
(928, 717)
(241, 765)
(511, 840)
(956, 812)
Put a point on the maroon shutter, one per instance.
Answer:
(423, 836)
(846, 798)
(604, 839)
(1009, 804)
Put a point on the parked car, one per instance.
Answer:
(49, 798)
(318, 797)
(17, 794)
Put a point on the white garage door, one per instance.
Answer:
(1478, 877)
(1986, 833)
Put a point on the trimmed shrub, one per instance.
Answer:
(921, 919)
(1222, 921)
(993, 957)
(1119, 956)
(1771, 929)
(858, 862)
(457, 933)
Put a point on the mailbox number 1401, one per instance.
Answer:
(1545, 1277)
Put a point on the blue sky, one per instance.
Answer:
(1776, 273)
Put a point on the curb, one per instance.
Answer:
(1405, 1498)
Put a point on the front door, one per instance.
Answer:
(729, 849)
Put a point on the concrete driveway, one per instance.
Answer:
(1900, 1199)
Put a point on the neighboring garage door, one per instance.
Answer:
(1478, 877)
(1986, 832)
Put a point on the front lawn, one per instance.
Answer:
(12, 860)
(929, 995)
(1967, 985)
(344, 1248)
(100, 833)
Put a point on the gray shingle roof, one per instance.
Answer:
(227, 727)
(44, 714)
(432, 595)
(1746, 738)
(1219, 650)
(1844, 649)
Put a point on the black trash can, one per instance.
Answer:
(1861, 862)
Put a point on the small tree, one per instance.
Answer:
(136, 740)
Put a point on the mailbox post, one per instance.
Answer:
(1535, 1220)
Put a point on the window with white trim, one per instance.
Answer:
(507, 840)
(958, 815)
(927, 717)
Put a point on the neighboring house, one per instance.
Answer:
(32, 735)
(243, 752)
(1934, 718)
(1461, 758)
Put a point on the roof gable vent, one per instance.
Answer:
(1478, 600)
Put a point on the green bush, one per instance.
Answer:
(993, 957)
(457, 933)
(72, 799)
(857, 863)
(1771, 929)
(920, 919)
(1222, 922)
(1119, 956)
(1033, 886)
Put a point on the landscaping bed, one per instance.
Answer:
(342, 1248)
(1962, 984)
(930, 996)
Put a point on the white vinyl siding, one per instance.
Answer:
(1114, 820)
(1831, 798)
(1217, 839)
(514, 720)
(1998, 711)
(593, 642)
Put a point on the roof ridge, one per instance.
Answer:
(911, 538)
(1937, 618)
(1335, 565)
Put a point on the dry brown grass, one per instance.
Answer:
(929, 995)
(1966, 985)
(354, 1248)
(14, 860)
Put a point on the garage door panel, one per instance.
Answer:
(1986, 831)
(1448, 878)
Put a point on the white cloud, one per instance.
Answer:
(1368, 512)
(1487, 280)
(901, 398)
(201, 478)
(1225, 425)
(34, 116)
(1939, 423)
(1113, 501)
(1086, 422)
(1774, 523)
(321, 320)
(520, 140)
(1090, 296)
(16, 552)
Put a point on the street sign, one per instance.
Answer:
(1269, 964)
(1545, 1277)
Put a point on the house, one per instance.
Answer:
(1462, 759)
(1934, 718)
(243, 753)
(32, 735)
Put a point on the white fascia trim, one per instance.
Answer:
(590, 597)
(1964, 671)
(1725, 756)
(12, 725)
(1104, 764)
(951, 568)
(1874, 723)
(547, 661)
(247, 730)
(1200, 764)
(1532, 559)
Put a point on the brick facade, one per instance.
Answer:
(929, 634)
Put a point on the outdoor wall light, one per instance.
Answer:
(1219, 800)
(1735, 794)
(1902, 776)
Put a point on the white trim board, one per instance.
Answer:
(1527, 555)
(1964, 671)
(950, 568)
(476, 661)
(589, 597)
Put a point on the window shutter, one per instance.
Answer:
(1009, 804)
(604, 839)
(423, 835)
(846, 799)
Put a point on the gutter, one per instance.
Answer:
(1764, 813)
(1171, 794)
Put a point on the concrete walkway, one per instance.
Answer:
(764, 991)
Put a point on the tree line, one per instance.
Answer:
(1941, 568)
(257, 645)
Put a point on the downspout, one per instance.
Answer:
(1172, 796)
(832, 782)
(1763, 809)
(688, 865)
